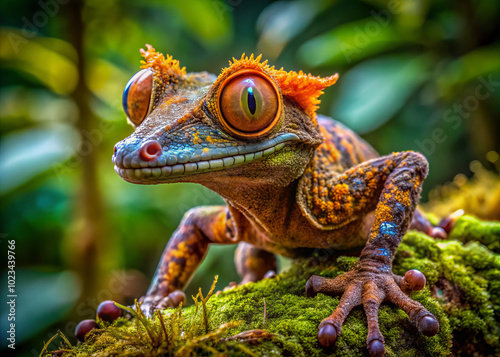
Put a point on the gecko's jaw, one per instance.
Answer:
(166, 166)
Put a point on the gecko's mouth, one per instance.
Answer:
(171, 164)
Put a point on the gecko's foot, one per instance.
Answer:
(448, 222)
(367, 286)
(150, 303)
(442, 230)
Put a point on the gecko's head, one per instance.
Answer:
(253, 123)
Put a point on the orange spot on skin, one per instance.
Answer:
(174, 100)
(339, 191)
(196, 138)
(214, 140)
(205, 150)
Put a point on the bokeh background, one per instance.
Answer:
(414, 75)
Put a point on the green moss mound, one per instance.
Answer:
(463, 292)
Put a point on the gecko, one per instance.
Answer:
(292, 180)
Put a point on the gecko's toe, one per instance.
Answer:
(428, 325)
(310, 291)
(327, 335)
(448, 222)
(173, 299)
(270, 274)
(438, 233)
(376, 348)
(150, 303)
(177, 297)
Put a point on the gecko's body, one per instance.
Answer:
(293, 181)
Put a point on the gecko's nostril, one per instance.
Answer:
(150, 150)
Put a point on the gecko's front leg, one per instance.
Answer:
(184, 252)
(393, 187)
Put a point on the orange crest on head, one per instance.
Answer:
(302, 88)
(166, 68)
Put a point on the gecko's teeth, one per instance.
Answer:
(130, 167)
(127, 161)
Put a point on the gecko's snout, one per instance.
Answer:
(150, 150)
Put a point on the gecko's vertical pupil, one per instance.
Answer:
(249, 104)
(252, 105)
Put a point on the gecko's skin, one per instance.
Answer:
(293, 181)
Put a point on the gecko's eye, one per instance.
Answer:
(137, 95)
(249, 104)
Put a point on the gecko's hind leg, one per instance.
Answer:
(253, 264)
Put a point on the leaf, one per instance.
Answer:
(42, 299)
(209, 20)
(372, 92)
(50, 61)
(282, 21)
(30, 152)
(352, 42)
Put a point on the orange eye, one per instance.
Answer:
(137, 95)
(249, 104)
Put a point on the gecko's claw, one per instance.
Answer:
(438, 233)
(376, 348)
(310, 291)
(327, 335)
(271, 274)
(428, 325)
(448, 222)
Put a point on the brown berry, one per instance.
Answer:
(84, 327)
(108, 311)
(415, 279)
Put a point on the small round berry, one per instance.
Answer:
(415, 279)
(84, 327)
(428, 325)
(327, 335)
(376, 349)
(108, 311)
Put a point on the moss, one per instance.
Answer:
(471, 229)
(463, 292)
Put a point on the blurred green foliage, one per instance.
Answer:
(414, 75)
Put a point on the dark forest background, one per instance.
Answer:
(414, 75)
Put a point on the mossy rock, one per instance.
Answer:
(463, 292)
